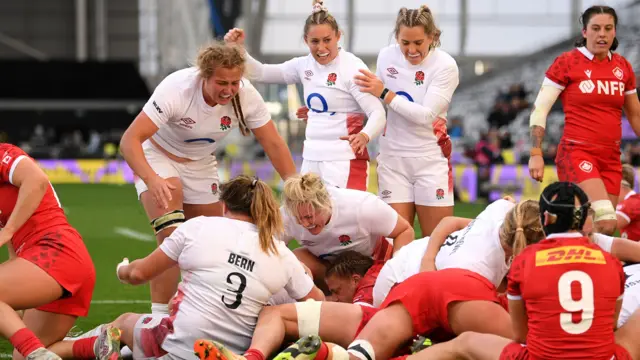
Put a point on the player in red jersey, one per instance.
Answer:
(565, 294)
(351, 277)
(594, 85)
(49, 272)
(628, 209)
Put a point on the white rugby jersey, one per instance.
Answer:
(417, 116)
(227, 280)
(477, 247)
(406, 261)
(190, 128)
(337, 106)
(631, 297)
(358, 220)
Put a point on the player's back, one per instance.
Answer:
(570, 288)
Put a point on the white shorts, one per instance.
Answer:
(426, 181)
(386, 279)
(148, 335)
(346, 174)
(199, 178)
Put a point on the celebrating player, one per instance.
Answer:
(416, 80)
(231, 266)
(49, 272)
(338, 108)
(327, 221)
(171, 142)
(564, 294)
(628, 209)
(594, 85)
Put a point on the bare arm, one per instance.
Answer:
(315, 294)
(402, 234)
(276, 149)
(519, 320)
(445, 227)
(138, 132)
(632, 110)
(142, 270)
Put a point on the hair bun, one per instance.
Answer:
(318, 6)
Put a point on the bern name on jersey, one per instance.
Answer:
(241, 262)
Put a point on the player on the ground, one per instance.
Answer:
(628, 209)
(231, 266)
(170, 145)
(564, 294)
(595, 85)
(49, 272)
(351, 276)
(336, 137)
(416, 81)
(326, 221)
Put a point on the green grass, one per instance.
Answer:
(95, 211)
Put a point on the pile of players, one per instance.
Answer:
(244, 292)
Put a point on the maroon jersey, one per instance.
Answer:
(629, 208)
(569, 287)
(593, 94)
(48, 215)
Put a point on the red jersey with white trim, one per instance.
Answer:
(364, 291)
(48, 215)
(629, 208)
(569, 287)
(593, 94)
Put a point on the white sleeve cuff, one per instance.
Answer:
(13, 167)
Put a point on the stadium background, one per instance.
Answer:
(76, 72)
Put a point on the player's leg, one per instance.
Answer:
(433, 191)
(627, 335)
(480, 316)
(395, 187)
(469, 345)
(200, 188)
(605, 214)
(317, 267)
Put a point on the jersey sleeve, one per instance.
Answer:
(515, 277)
(629, 209)
(285, 73)
(176, 243)
(630, 85)
(163, 104)
(11, 156)
(496, 210)
(621, 274)
(604, 241)
(299, 284)
(558, 72)
(436, 100)
(254, 109)
(370, 105)
(377, 216)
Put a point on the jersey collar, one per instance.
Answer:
(589, 54)
(629, 194)
(565, 235)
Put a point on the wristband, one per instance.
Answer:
(124, 262)
(384, 93)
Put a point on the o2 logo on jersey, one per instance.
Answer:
(344, 240)
(323, 102)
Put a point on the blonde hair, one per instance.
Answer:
(628, 176)
(320, 17)
(307, 189)
(522, 226)
(253, 197)
(228, 56)
(419, 17)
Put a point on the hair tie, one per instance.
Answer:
(254, 182)
(318, 7)
(519, 229)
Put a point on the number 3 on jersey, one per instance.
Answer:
(241, 283)
(585, 304)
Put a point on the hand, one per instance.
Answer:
(536, 167)
(358, 142)
(303, 113)
(509, 198)
(369, 83)
(235, 36)
(160, 189)
(124, 262)
(5, 236)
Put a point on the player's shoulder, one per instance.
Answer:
(248, 90)
(618, 58)
(388, 53)
(444, 59)
(6, 148)
(349, 61)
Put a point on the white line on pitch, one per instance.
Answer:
(132, 234)
(6, 356)
(107, 302)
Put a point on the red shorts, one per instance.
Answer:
(577, 162)
(61, 253)
(364, 291)
(427, 296)
(516, 351)
(367, 314)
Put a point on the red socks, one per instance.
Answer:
(25, 342)
(323, 352)
(253, 354)
(83, 348)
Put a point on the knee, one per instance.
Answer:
(123, 319)
(464, 343)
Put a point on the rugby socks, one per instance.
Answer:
(84, 348)
(253, 354)
(160, 309)
(25, 342)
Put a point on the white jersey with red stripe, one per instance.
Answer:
(411, 130)
(227, 280)
(187, 126)
(477, 247)
(336, 105)
(358, 220)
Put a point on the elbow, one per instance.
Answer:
(137, 277)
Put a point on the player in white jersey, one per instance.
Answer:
(231, 266)
(335, 144)
(326, 221)
(170, 144)
(416, 81)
